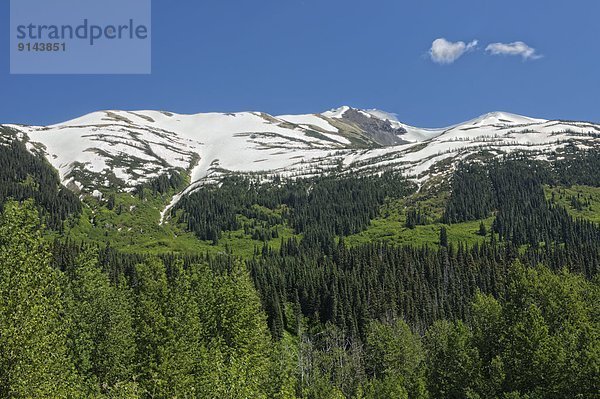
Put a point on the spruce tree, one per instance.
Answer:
(443, 237)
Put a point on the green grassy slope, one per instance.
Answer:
(391, 227)
(132, 225)
(580, 201)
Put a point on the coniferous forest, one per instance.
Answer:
(514, 314)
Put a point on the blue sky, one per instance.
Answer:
(304, 56)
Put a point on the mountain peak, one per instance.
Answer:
(376, 113)
(337, 112)
(383, 115)
(503, 118)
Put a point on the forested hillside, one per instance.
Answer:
(24, 175)
(498, 297)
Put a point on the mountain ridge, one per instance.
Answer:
(128, 148)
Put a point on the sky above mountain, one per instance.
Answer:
(433, 63)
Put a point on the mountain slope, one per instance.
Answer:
(125, 149)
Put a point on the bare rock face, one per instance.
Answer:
(381, 131)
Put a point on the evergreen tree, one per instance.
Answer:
(443, 237)
(482, 229)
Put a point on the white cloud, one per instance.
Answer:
(515, 48)
(445, 52)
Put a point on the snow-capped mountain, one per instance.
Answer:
(129, 148)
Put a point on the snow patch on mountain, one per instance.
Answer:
(502, 118)
(132, 147)
(336, 112)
